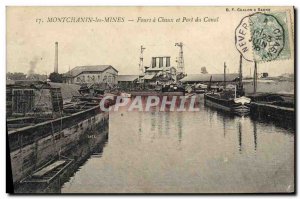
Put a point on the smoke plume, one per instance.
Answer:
(32, 65)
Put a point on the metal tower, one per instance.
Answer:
(56, 58)
(180, 60)
(141, 64)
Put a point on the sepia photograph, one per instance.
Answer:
(150, 99)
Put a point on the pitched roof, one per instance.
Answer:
(127, 78)
(148, 77)
(206, 77)
(94, 68)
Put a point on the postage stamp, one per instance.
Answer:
(263, 37)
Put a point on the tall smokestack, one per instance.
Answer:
(56, 58)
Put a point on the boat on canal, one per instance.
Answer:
(231, 99)
(48, 172)
(41, 126)
(226, 102)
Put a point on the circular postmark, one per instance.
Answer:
(259, 37)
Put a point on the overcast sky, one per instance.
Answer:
(208, 44)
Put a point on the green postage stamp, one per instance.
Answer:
(264, 37)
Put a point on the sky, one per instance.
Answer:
(30, 45)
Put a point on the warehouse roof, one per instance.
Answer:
(127, 78)
(148, 77)
(206, 77)
(93, 68)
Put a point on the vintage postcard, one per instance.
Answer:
(150, 99)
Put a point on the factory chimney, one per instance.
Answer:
(56, 58)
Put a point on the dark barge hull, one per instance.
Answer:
(33, 146)
(226, 105)
(273, 112)
(274, 107)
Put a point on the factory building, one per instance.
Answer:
(160, 72)
(92, 74)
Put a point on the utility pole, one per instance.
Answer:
(224, 75)
(141, 64)
(180, 60)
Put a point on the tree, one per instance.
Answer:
(55, 77)
(15, 76)
(203, 70)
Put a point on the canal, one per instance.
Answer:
(203, 151)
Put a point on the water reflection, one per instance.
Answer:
(204, 151)
(140, 122)
(240, 135)
(252, 123)
(180, 126)
(255, 135)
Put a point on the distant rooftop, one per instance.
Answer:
(92, 68)
(206, 77)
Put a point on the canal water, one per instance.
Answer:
(203, 151)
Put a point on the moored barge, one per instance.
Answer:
(239, 106)
(40, 126)
(272, 106)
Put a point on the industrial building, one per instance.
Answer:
(159, 72)
(92, 74)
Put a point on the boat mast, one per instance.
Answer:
(241, 74)
(224, 75)
(255, 78)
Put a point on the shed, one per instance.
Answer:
(127, 82)
(127, 78)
